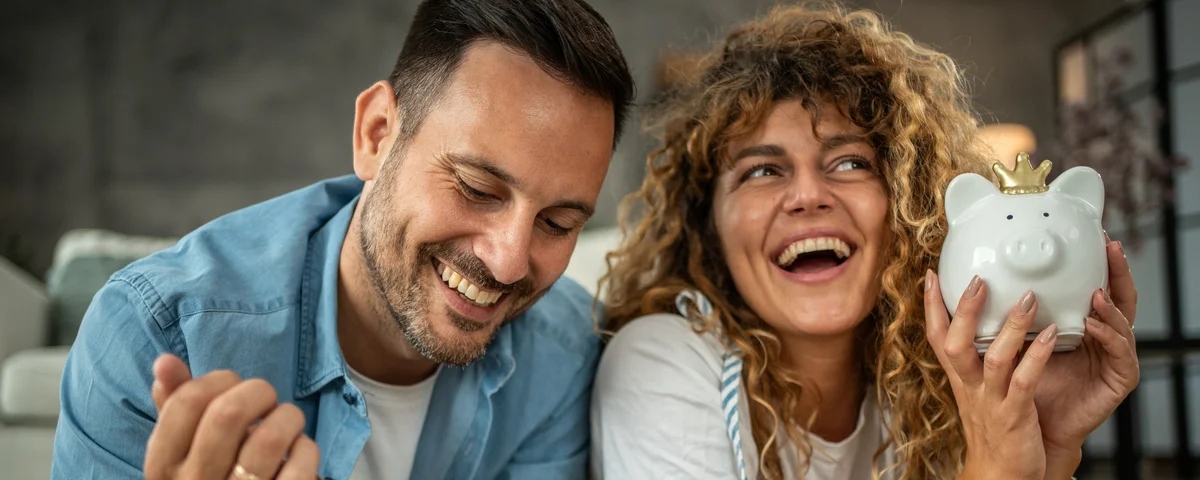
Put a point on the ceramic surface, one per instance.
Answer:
(1049, 241)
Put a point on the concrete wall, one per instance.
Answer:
(152, 117)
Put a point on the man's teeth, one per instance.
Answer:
(842, 249)
(465, 287)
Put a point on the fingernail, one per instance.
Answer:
(1047, 334)
(1026, 303)
(1121, 247)
(928, 279)
(973, 287)
(1093, 323)
(1107, 299)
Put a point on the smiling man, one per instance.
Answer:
(406, 321)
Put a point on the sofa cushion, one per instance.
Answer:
(29, 385)
(83, 262)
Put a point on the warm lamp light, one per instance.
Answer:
(1006, 140)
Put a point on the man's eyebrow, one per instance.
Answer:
(482, 163)
(759, 151)
(576, 205)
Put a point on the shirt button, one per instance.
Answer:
(349, 398)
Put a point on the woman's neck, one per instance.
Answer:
(834, 366)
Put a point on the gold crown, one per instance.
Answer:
(1023, 179)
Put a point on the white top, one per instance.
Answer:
(396, 414)
(656, 414)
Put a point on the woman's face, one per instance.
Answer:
(803, 221)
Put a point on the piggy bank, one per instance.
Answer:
(1024, 236)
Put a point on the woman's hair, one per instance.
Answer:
(912, 103)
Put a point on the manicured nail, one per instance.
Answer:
(1093, 323)
(928, 279)
(1048, 334)
(1121, 247)
(973, 287)
(1026, 304)
(1107, 299)
(1107, 239)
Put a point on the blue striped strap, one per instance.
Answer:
(731, 376)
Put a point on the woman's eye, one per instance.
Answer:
(852, 164)
(760, 171)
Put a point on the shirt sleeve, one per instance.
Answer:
(107, 412)
(656, 409)
(558, 449)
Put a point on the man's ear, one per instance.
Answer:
(376, 125)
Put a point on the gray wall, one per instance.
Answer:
(154, 117)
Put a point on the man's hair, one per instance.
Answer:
(566, 38)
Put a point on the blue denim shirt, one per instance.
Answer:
(255, 292)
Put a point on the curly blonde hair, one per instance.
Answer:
(912, 102)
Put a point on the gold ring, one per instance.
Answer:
(240, 473)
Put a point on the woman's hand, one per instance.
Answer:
(995, 395)
(1082, 388)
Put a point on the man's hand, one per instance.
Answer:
(211, 424)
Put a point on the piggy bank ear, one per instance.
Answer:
(964, 191)
(1082, 183)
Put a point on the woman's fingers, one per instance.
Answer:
(1029, 372)
(937, 321)
(1121, 351)
(1108, 313)
(1120, 281)
(998, 361)
(302, 462)
(959, 344)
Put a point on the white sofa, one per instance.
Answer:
(30, 372)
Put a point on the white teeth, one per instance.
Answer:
(469, 290)
(841, 248)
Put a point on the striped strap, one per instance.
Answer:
(731, 376)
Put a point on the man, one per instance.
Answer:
(405, 323)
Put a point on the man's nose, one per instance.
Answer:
(505, 249)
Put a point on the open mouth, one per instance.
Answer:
(814, 255)
(468, 290)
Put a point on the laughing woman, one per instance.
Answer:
(775, 313)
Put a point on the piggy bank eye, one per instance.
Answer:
(1045, 214)
(1010, 217)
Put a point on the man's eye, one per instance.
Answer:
(474, 193)
(554, 228)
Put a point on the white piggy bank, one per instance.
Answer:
(1026, 236)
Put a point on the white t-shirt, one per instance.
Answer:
(397, 414)
(656, 414)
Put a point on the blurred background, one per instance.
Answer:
(127, 123)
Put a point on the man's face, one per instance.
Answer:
(471, 221)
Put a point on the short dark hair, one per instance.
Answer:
(566, 38)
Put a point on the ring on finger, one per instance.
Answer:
(240, 473)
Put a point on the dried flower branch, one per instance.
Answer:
(1105, 133)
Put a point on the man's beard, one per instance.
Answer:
(404, 294)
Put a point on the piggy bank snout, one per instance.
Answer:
(1032, 251)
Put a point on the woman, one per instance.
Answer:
(775, 311)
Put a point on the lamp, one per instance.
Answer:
(1006, 140)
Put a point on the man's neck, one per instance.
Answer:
(371, 342)
(834, 366)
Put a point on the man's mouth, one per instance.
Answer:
(812, 255)
(466, 289)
